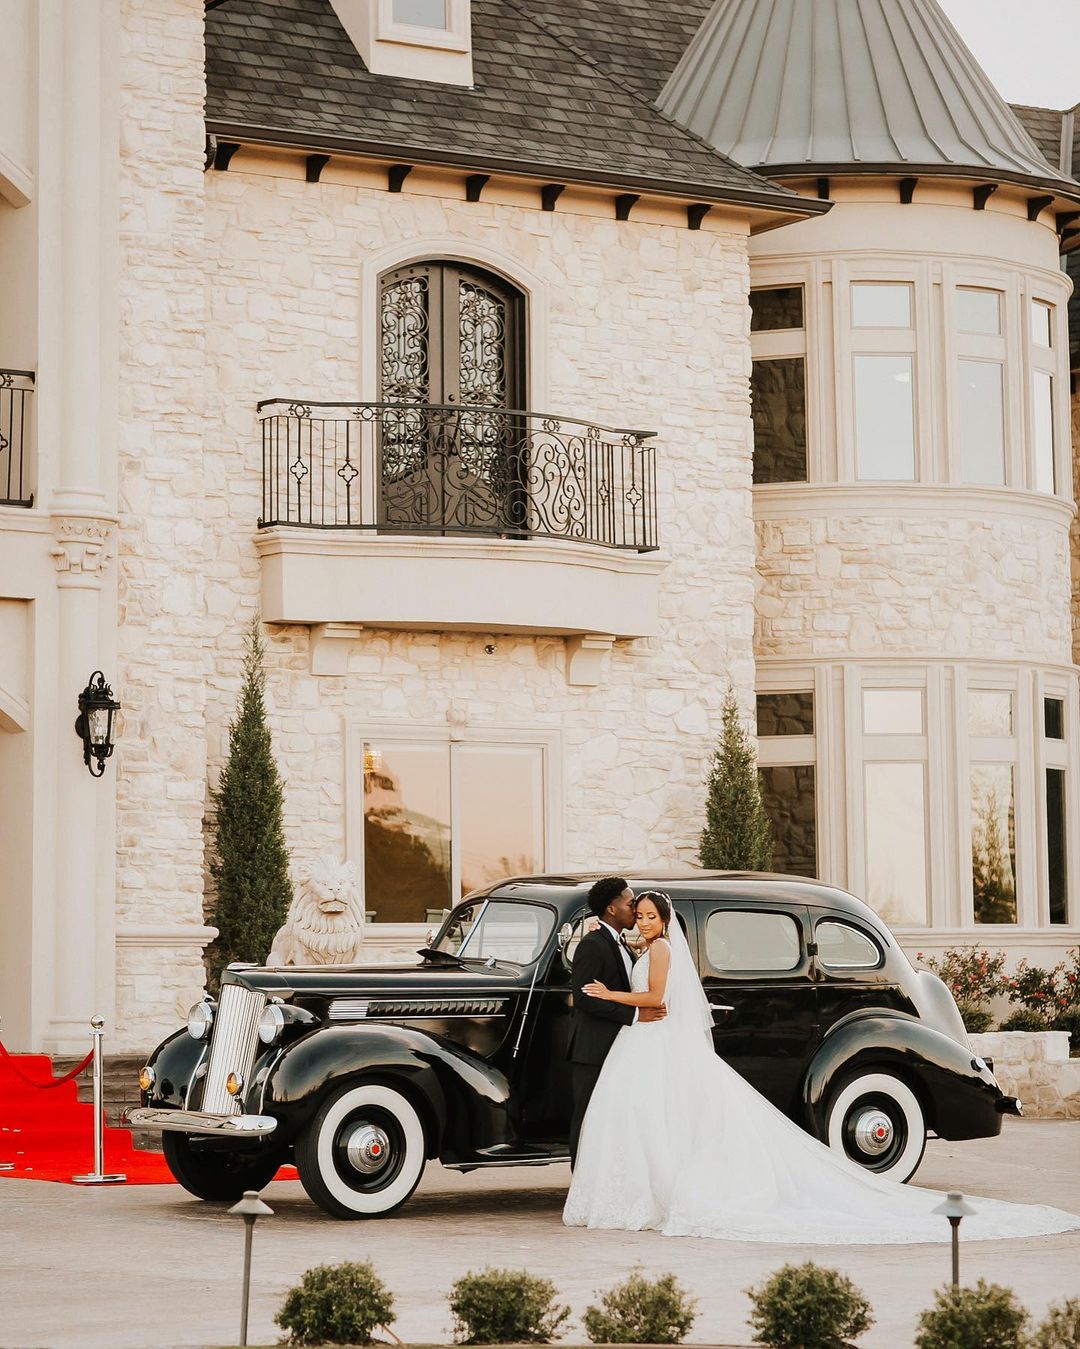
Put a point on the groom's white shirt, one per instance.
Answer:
(626, 957)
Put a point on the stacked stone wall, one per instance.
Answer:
(855, 585)
(646, 326)
(161, 771)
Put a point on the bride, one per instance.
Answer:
(713, 1158)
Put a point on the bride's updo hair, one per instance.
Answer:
(662, 902)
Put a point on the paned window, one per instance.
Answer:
(441, 820)
(1054, 718)
(420, 13)
(978, 311)
(881, 304)
(843, 947)
(897, 842)
(778, 384)
(982, 421)
(1055, 758)
(991, 730)
(885, 417)
(787, 775)
(1044, 393)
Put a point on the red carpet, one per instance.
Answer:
(48, 1134)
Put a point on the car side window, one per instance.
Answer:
(743, 941)
(843, 947)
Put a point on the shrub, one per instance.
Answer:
(975, 1019)
(973, 974)
(1061, 1328)
(737, 834)
(984, 1317)
(642, 1311)
(1069, 1020)
(1025, 1019)
(505, 1306)
(340, 1304)
(806, 1307)
(248, 859)
(1048, 992)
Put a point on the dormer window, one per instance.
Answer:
(412, 39)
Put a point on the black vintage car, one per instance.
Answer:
(359, 1074)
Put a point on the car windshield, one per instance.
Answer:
(497, 930)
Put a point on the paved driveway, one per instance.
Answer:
(128, 1268)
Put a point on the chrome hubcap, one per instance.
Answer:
(368, 1149)
(873, 1132)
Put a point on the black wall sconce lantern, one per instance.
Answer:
(97, 715)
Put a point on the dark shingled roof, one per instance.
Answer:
(541, 104)
(1043, 125)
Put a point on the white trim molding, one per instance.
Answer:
(442, 55)
(799, 500)
(165, 934)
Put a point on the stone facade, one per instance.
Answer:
(1037, 1068)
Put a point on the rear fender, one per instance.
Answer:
(464, 1101)
(958, 1092)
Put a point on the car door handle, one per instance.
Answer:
(721, 1006)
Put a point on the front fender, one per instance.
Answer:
(958, 1092)
(465, 1102)
(175, 1063)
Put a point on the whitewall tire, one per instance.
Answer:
(363, 1153)
(876, 1120)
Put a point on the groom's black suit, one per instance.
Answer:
(596, 1022)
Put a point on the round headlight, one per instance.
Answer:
(146, 1078)
(199, 1020)
(271, 1023)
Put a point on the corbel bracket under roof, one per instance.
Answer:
(396, 175)
(625, 203)
(981, 195)
(475, 184)
(550, 194)
(1036, 206)
(696, 213)
(313, 167)
(907, 190)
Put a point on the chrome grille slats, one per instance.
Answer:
(234, 1040)
(357, 1009)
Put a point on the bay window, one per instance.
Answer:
(778, 384)
(787, 753)
(883, 380)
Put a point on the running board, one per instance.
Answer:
(506, 1161)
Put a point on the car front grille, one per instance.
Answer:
(233, 1043)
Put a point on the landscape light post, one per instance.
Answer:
(249, 1208)
(954, 1208)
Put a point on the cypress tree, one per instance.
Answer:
(737, 835)
(249, 860)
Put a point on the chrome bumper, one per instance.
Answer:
(199, 1122)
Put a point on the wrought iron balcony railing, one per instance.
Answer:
(15, 388)
(456, 470)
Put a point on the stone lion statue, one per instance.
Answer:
(325, 922)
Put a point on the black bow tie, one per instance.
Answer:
(623, 942)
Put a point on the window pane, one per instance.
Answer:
(739, 941)
(500, 793)
(1054, 718)
(776, 307)
(503, 930)
(785, 713)
(982, 422)
(788, 795)
(1040, 323)
(892, 711)
(840, 946)
(406, 831)
(778, 404)
(993, 843)
(978, 311)
(881, 304)
(989, 712)
(884, 417)
(1055, 845)
(421, 13)
(896, 841)
(1042, 392)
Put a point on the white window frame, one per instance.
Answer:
(993, 350)
(778, 344)
(455, 37)
(359, 731)
(1051, 361)
(795, 751)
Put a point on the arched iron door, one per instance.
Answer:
(452, 370)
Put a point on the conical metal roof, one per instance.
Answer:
(796, 86)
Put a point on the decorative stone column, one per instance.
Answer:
(80, 152)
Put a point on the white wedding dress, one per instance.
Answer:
(677, 1141)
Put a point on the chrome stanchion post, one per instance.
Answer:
(249, 1208)
(7, 1166)
(98, 1176)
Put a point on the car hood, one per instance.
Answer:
(415, 979)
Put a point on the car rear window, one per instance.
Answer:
(745, 941)
(843, 947)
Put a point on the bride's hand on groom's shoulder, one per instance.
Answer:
(596, 990)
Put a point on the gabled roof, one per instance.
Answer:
(835, 86)
(284, 71)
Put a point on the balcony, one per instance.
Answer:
(15, 388)
(456, 518)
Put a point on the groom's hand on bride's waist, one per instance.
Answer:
(652, 1013)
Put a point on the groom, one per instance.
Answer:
(601, 955)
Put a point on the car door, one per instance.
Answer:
(855, 974)
(755, 963)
